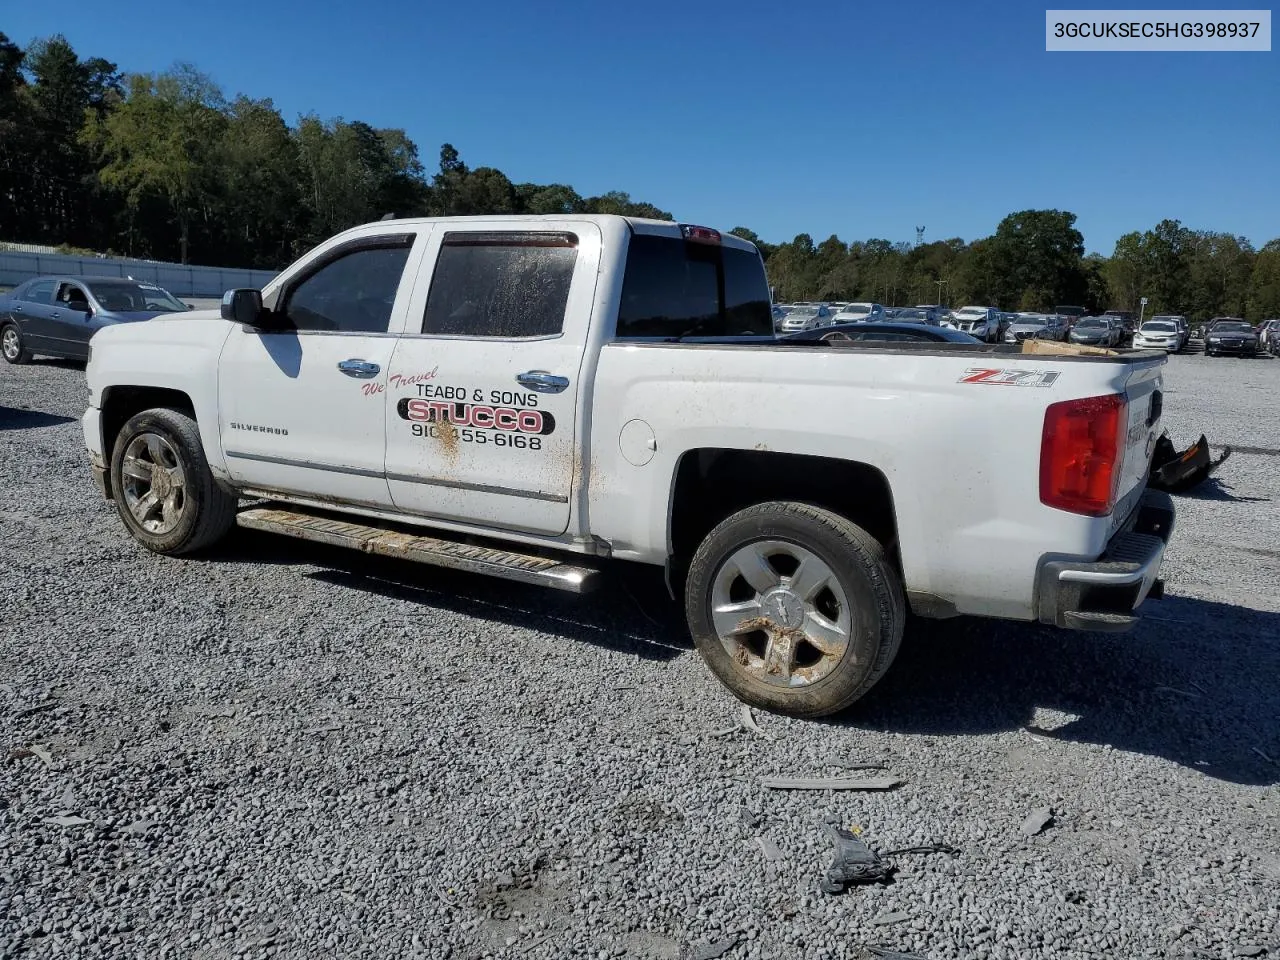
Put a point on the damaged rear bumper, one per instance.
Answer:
(1104, 594)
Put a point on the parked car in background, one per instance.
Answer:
(937, 312)
(860, 313)
(1184, 329)
(1268, 333)
(1124, 319)
(1096, 332)
(56, 316)
(1035, 326)
(1158, 335)
(779, 314)
(1230, 335)
(888, 331)
(1273, 340)
(1072, 314)
(981, 322)
(914, 315)
(805, 316)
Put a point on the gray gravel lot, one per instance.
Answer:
(283, 750)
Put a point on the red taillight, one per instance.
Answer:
(1080, 454)
(699, 234)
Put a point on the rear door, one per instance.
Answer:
(31, 311)
(483, 388)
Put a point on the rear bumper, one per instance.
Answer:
(1104, 594)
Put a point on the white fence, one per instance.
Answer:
(182, 281)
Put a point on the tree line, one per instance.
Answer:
(165, 166)
(1035, 261)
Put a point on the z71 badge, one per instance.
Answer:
(1009, 377)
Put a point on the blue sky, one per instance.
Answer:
(861, 119)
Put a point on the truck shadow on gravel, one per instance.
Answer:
(15, 418)
(630, 614)
(1195, 683)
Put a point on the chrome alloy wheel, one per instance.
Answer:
(781, 613)
(11, 344)
(153, 483)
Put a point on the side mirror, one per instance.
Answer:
(243, 306)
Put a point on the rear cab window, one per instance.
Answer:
(675, 287)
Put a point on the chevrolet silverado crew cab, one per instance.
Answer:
(528, 396)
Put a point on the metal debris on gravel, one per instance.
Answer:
(1036, 821)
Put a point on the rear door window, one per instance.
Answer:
(679, 288)
(41, 291)
(505, 284)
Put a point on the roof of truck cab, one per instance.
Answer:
(637, 224)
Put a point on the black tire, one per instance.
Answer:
(877, 609)
(207, 511)
(11, 337)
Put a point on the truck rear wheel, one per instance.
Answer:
(163, 489)
(794, 608)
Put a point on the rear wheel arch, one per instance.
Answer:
(710, 484)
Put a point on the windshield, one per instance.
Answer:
(912, 315)
(1162, 327)
(857, 308)
(1232, 328)
(1091, 322)
(972, 312)
(802, 311)
(129, 297)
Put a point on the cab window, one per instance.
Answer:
(502, 284)
(352, 293)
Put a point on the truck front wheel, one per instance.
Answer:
(794, 608)
(164, 491)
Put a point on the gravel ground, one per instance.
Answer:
(283, 750)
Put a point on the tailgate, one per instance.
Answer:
(1145, 396)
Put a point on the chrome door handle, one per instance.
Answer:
(56, 314)
(542, 381)
(361, 369)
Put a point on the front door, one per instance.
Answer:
(301, 407)
(70, 320)
(484, 387)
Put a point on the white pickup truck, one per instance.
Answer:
(525, 396)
